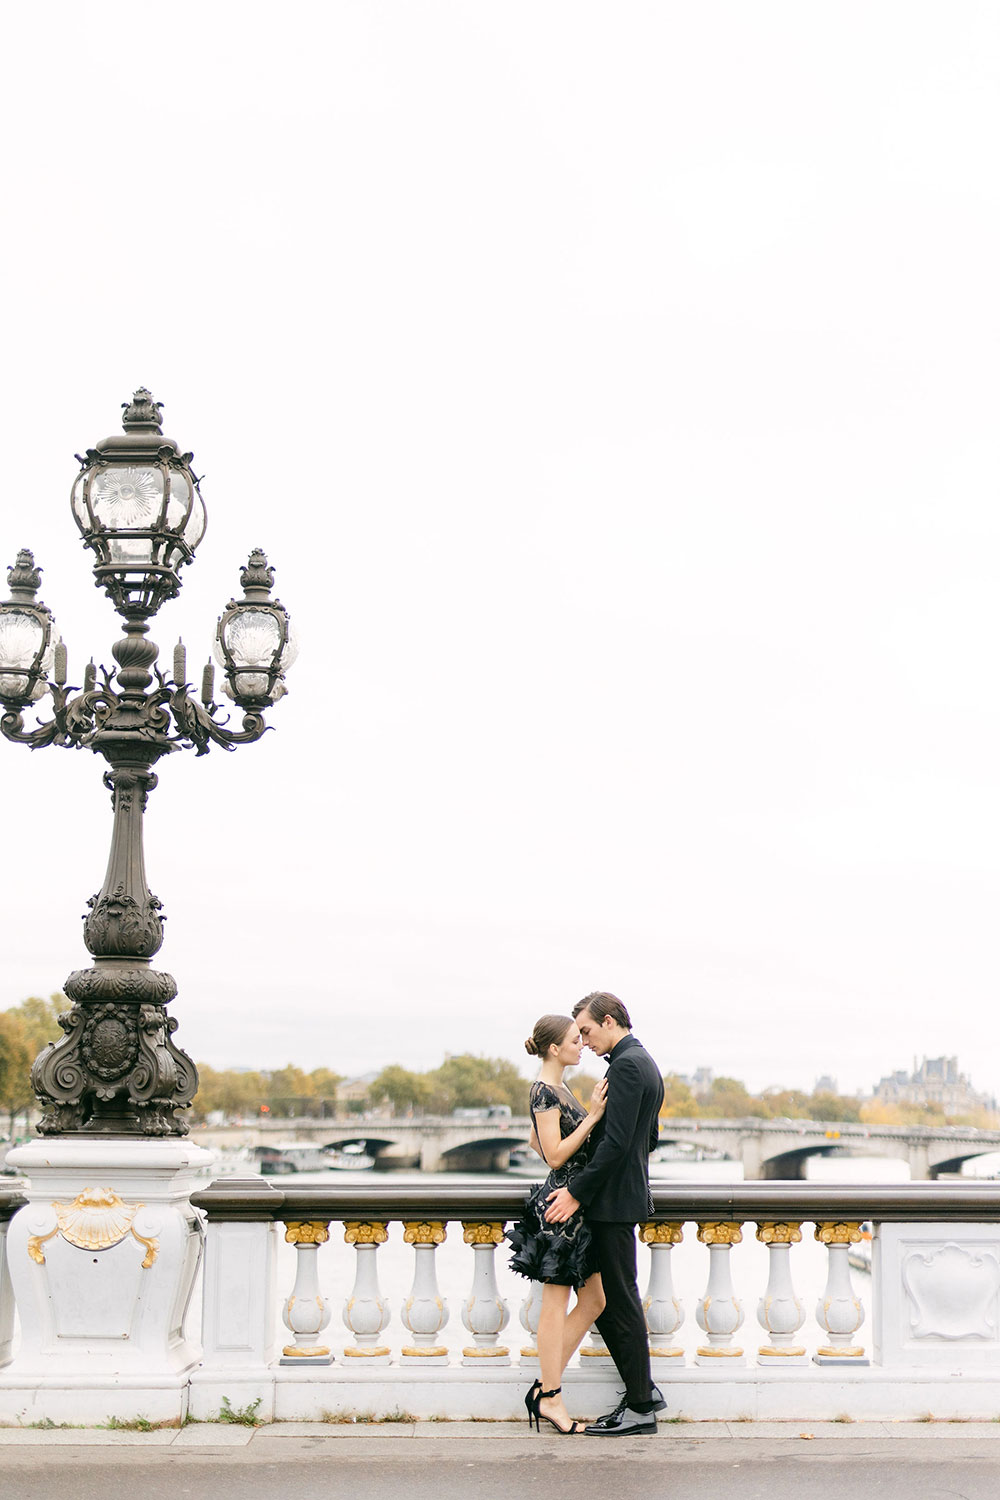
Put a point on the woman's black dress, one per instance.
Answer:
(559, 1253)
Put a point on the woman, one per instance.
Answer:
(560, 1256)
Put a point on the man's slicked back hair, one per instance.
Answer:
(601, 1004)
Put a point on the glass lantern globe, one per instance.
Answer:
(27, 637)
(138, 506)
(255, 641)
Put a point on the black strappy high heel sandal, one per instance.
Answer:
(529, 1400)
(541, 1417)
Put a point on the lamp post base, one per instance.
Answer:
(103, 1259)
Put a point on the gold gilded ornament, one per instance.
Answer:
(661, 1234)
(782, 1232)
(97, 1219)
(482, 1234)
(316, 1232)
(424, 1232)
(358, 1232)
(832, 1232)
(720, 1234)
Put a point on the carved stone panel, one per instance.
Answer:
(937, 1294)
(951, 1291)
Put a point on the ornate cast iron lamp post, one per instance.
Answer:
(136, 501)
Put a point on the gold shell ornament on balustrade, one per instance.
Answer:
(97, 1219)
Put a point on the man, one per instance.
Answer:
(614, 1191)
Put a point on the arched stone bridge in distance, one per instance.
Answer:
(767, 1149)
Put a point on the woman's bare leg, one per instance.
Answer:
(551, 1324)
(588, 1307)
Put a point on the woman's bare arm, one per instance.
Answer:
(555, 1150)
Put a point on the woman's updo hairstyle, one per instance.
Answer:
(548, 1029)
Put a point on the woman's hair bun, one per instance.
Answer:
(530, 1047)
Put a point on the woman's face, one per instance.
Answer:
(570, 1048)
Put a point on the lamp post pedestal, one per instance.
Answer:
(102, 1262)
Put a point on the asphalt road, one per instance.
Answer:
(696, 1461)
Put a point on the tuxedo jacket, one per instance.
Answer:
(614, 1185)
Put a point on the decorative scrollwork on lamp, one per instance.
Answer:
(139, 508)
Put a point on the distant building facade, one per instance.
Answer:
(936, 1081)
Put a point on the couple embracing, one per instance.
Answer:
(578, 1227)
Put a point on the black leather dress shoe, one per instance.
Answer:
(657, 1403)
(623, 1422)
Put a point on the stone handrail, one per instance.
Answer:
(11, 1199)
(257, 1198)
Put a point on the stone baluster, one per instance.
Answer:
(366, 1311)
(6, 1300)
(663, 1309)
(425, 1311)
(306, 1313)
(839, 1312)
(779, 1312)
(485, 1313)
(530, 1312)
(720, 1312)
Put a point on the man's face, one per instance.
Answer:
(596, 1036)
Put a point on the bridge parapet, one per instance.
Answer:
(931, 1305)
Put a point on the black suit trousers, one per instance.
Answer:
(622, 1324)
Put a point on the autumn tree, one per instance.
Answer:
(402, 1089)
(678, 1100)
(468, 1082)
(17, 1053)
(727, 1099)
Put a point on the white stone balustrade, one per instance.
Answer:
(935, 1297)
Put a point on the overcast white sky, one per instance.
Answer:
(615, 389)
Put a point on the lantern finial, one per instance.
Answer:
(142, 413)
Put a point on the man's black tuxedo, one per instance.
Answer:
(614, 1185)
(614, 1190)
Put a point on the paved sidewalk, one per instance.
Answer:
(456, 1460)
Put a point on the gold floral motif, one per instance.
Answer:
(782, 1232)
(482, 1234)
(766, 1352)
(720, 1233)
(673, 1351)
(317, 1232)
(424, 1232)
(720, 1353)
(378, 1353)
(661, 1234)
(831, 1353)
(371, 1232)
(833, 1232)
(439, 1352)
(498, 1353)
(292, 1351)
